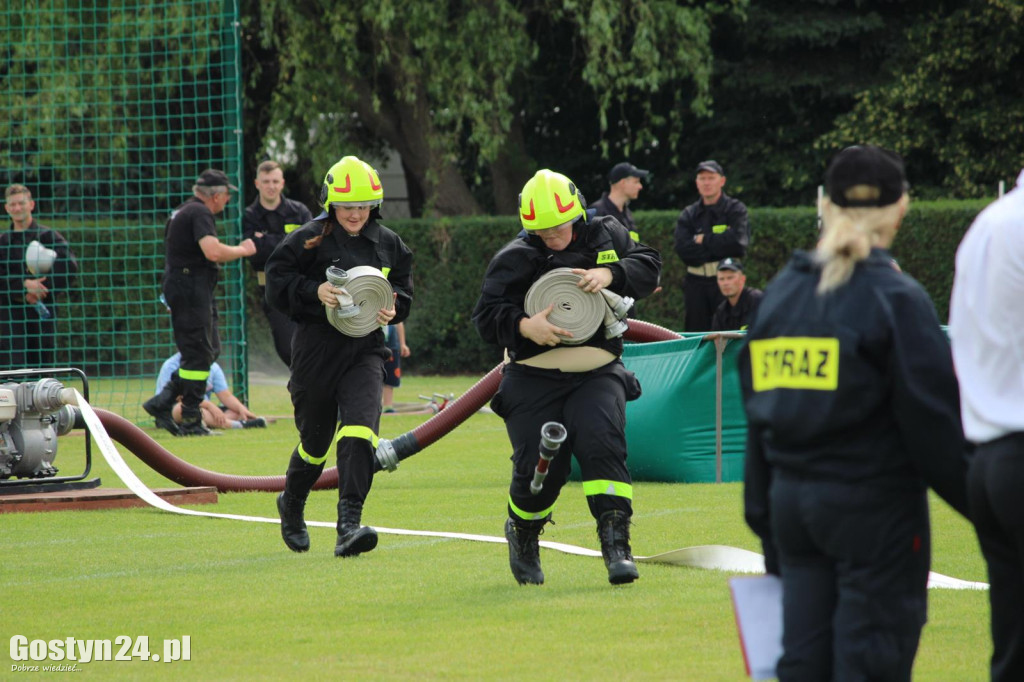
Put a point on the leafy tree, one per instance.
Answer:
(459, 88)
(954, 106)
(96, 97)
(783, 73)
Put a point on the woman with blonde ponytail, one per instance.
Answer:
(852, 411)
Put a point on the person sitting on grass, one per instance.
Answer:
(165, 406)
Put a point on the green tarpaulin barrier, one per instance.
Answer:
(670, 429)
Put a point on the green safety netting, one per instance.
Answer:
(109, 112)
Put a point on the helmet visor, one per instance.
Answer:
(356, 204)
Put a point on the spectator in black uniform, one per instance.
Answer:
(584, 387)
(735, 312)
(986, 326)
(713, 228)
(333, 376)
(191, 269)
(624, 184)
(267, 220)
(29, 299)
(853, 411)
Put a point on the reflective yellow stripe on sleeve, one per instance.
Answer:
(604, 487)
(193, 375)
(385, 271)
(528, 516)
(291, 227)
(635, 236)
(608, 256)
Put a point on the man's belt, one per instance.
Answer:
(709, 269)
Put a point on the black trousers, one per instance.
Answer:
(701, 296)
(190, 296)
(854, 561)
(592, 407)
(282, 329)
(336, 378)
(28, 341)
(995, 482)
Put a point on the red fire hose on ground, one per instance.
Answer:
(408, 444)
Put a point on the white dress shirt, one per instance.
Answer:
(986, 320)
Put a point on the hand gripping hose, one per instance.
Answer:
(577, 311)
(389, 452)
(367, 290)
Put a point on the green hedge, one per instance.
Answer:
(451, 255)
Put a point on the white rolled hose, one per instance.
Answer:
(366, 292)
(577, 311)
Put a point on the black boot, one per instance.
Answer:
(291, 504)
(293, 525)
(613, 530)
(353, 539)
(194, 427)
(192, 421)
(159, 407)
(524, 549)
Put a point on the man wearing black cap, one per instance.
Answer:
(625, 183)
(193, 255)
(852, 412)
(713, 228)
(740, 302)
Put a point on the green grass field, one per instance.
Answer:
(416, 607)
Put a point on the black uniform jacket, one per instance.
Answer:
(14, 270)
(635, 268)
(294, 272)
(605, 206)
(188, 224)
(273, 224)
(724, 226)
(729, 317)
(854, 386)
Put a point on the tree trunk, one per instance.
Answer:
(511, 170)
(408, 129)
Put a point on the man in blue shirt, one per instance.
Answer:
(165, 405)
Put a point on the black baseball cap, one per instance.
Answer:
(877, 168)
(624, 170)
(211, 177)
(710, 165)
(731, 264)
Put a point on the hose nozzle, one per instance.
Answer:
(615, 314)
(552, 435)
(347, 307)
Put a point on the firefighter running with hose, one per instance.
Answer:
(333, 376)
(583, 386)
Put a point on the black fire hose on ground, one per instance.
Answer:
(408, 444)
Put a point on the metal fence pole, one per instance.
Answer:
(721, 340)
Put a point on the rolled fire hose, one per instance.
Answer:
(389, 452)
(367, 291)
(575, 311)
(579, 312)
